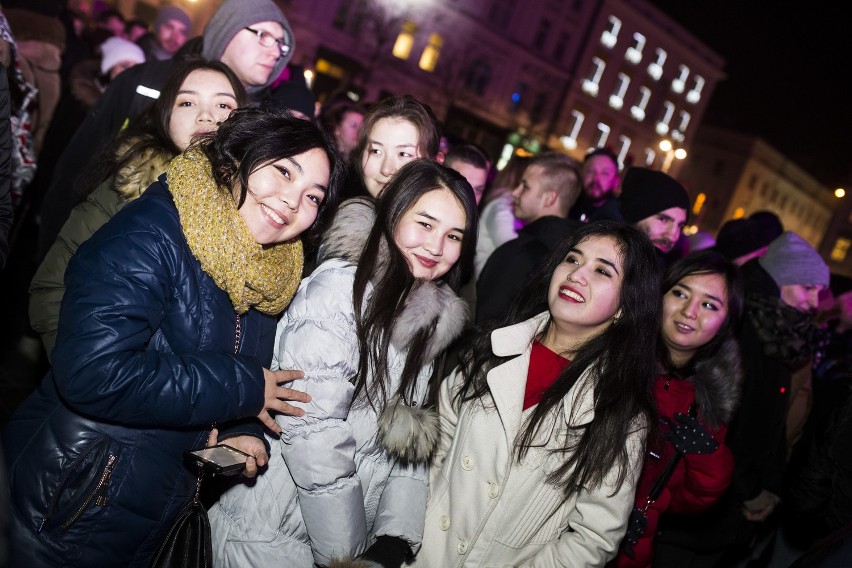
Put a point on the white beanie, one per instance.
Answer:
(115, 50)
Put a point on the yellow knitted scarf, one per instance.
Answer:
(252, 275)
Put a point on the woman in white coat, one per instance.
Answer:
(351, 473)
(544, 422)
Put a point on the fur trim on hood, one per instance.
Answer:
(718, 384)
(140, 172)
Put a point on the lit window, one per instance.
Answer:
(739, 213)
(634, 52)
(405, 40)
(694, 95)
(665, 118)
(684, 121)
(603, 134)
(679, 83)
(841, 247)
(699, 203)
(637, 111)
(616, 99)
(622, 151)
(328, 68)
(429, 58)
(655, 69)
(590, 84)
(569, 141)
(650, 156)
(610, 35)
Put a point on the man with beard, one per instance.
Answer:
(656, 204)
(600, 180)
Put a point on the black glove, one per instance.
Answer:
(636, 525)
(389, 551)
(688, 436)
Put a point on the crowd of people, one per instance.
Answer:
(425, 361)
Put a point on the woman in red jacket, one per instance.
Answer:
(688, 466)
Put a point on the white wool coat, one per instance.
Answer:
(334, 482)
(486, 510)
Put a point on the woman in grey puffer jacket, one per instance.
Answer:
(349, 477)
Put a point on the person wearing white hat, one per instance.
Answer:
(119, 54)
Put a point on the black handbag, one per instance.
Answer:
(188, 543)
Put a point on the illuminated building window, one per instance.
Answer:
(739, 213)
(430, 55)
(655, 69)
(590, 84)
(616, 99)
(650, 156)
(637, 111)
(699, 203)
(610, 34)
(634, 52)
(603, 134)
(679, 83)
(694, 94)
(622, 151)
(841, 247)
(405, 40)
(569, 141)
(665, 118)
(679, 133)
(326, 67)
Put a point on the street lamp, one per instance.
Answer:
(671, 153)
(839, 193)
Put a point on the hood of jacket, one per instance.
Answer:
(428, 301)
(718, 384)
(141, 171)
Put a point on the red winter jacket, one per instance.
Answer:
(698, 479)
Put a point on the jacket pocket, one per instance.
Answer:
(83, 484)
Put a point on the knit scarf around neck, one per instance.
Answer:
(253, 275)
(785, 333)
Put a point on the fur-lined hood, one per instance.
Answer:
(718, 384)
(427, 302)
(142, 170)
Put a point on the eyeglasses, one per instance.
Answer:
(266, 39)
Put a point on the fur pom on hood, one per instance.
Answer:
(718, 384)
(427, 302)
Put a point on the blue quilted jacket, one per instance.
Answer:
(144, 364)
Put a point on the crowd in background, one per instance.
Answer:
(429, 361)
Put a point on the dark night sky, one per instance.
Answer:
(789, 77)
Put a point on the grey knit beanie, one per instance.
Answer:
(234, 15)
(791, 260)
(167, 13)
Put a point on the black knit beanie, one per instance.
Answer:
(646, 192)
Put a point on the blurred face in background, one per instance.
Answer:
(346, 133)
(600, 178)
(172, 35)
(392, 143)
(664, 228)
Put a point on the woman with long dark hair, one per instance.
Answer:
(544, 422)
(697, 389)
(366, 329)
(167, 328)
(196, 99)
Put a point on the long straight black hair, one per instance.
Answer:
(393, 284)
(706, 262)
(621, 358)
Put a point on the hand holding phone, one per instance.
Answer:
(222, 459)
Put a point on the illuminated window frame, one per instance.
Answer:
(609, 37)
(404, 41)
(603, 134)
(590, 84)
(663, 124)
(637, 111)
(431, 53)
(616, 99)
(679, 83)
(634, 52)
(694, 94)
(569, 141)
(655, 69)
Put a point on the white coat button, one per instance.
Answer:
(462, 548)
(467, 463)
(444, 523)
(493, 490)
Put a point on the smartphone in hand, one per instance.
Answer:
(222, 459)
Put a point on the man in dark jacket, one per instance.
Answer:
(549, 187)
(251, 36)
